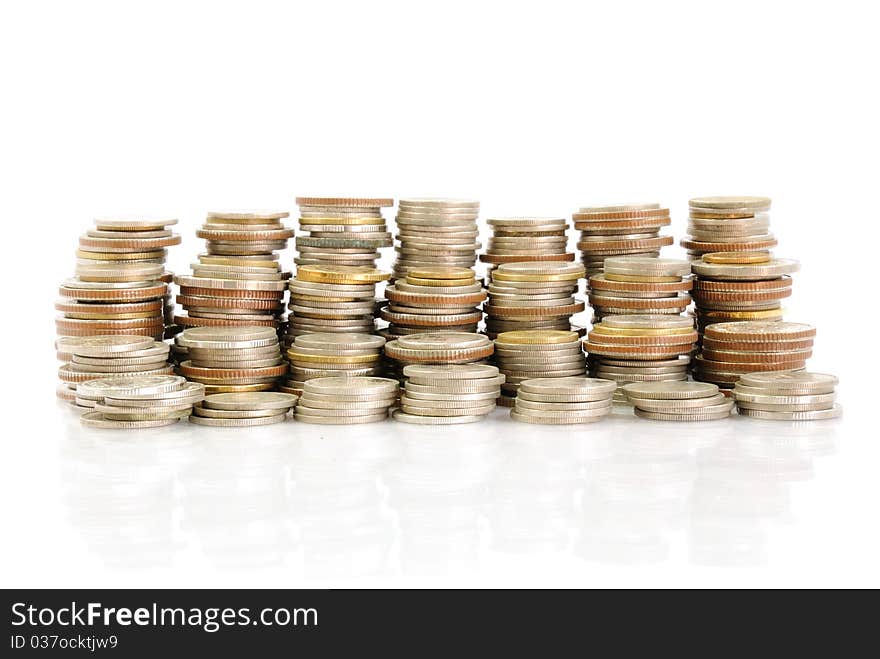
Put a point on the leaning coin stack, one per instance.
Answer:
(239, 280)
(801, 396)
(436, 348)
(449, 394)
(730, 350)
(433, 300)
(640, 348)
(137, 401)
(332, 354)
(231, 359)
(237, 410)
(734, 286)
(640, 285)
(336, 401)
(728, 224)
(342, 230)
(557, 401)
(332, 298)
(619, 231)
(521, 239)
(527, 296)
(678, 401)
(529, 354)
(436, 232)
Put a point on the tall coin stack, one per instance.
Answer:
(436, 348)
(341, 230)
(784, 396)
(640, 348)
(620, 230)
(728, 224)
(450, 394)
(528, 354)
(239, 280)
(522, 239)
(556, 401)
(436, 232)
(731, 350)
(231, 359)
(337, 401)
(526, 296)
(332, 354)
(433, 300)
(640, 285)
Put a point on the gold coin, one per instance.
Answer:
(499, 275)
(641, 278)
(211, 259)
(537, 336)
(738, 258)
(743, 315)
(304, 221)
(646, 331)
(331, 359)
(419, 281)
(330, 274)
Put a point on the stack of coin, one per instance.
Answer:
(620, 230)
(332, 298)
(436, 232)
(556, 401)
(734, 286)
(137, 401)
(236, 410)
(728, 224)
(92, 308)
(526, 296)
(640, 348)
(436, 348)
(433, 300)
(335, 401)
(529, 354)
(801, 396)
(332, 354)
(449, 394)
(731, 350)
(239, 280)
(94, 357)
(232, 359)
(678, 401)
(522, 239)
(640, 285)
(342, 230)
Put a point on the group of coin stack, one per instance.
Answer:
(436, 233)
(332, 354)
(433, 300)
(640, 348)
(93, 357)
(243, 409)
(556, 401)
(449, 394)
(529, 354)
(342, 230)
(678, 401)
(231, 359)
(121, 286)
(239, 280)
(731, 350)
(436, 348)
(728, 224)
(142, 401)
(800, 396)
(620, 231)
(523, 239)
(531, 296)
(640, 285)
(336, 401)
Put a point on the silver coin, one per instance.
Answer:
(400, 415)
(97, 420)
(670, 390)
(783, 381)
(237, 423)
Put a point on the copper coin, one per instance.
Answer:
(585, 214)
(117, 308)
(187, 321)
(701, 284)
(758, 346)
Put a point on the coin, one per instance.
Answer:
(670, 390)
(237, 423)
(811, 415)
(97, 420)
(781, 382)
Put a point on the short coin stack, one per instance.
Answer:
(342, 230)
(432, 300)
(557, 401)
(238, 410)
(231, 359)
(142, 401)
(678, 401)
(239, 280)
(640, 285)
(335, 401)
(449, 394)
(526, 296)
(436, 348)
(801, 396)
(436, 232)
(333, 298)
(522, 239)
(332, 354)
(730, 350)
(528, 354)
(619, 231)
(728, 224)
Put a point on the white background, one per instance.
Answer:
(177, 108)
